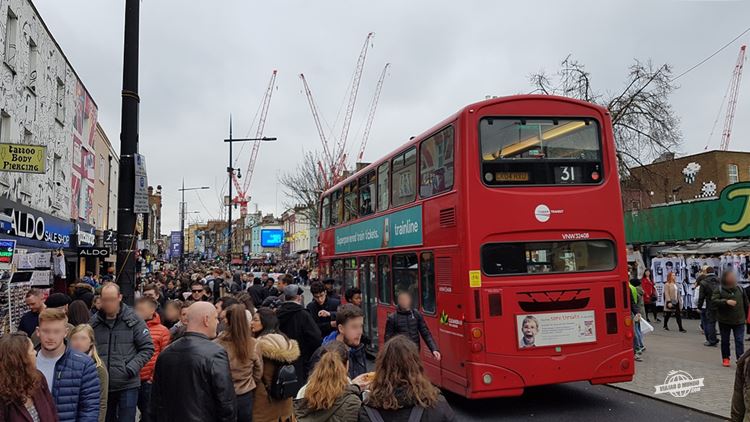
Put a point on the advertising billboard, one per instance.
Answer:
(271, 238)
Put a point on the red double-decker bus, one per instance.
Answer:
(504, 221)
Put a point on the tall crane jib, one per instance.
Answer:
(371, 114)
(242, 197)
(734, 91)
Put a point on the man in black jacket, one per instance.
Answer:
(258, 292)
(323, 308)
(708, 283)
(192, 380)
(409, 322)
(297, 323)
(125, 346)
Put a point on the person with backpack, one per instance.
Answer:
(707, 283)
(730, 306)
(409, 322)
(400, 390)
(279, 383)
(329, 396)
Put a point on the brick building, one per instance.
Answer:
(683, 179)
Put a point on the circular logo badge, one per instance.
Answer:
(542, 213)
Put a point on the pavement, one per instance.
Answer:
(674, 351)
(574, 402)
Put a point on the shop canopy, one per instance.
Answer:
(706, 248)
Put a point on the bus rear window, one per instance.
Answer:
(548, 257)
(518, 151)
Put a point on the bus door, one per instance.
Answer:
(368, 283)
(451, 309)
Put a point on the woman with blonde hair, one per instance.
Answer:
(672, 302)
(328, 396)
(82, 340)
(401, 391)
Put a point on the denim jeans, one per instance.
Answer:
(738, 331)
(144, 400)
(637, 336)
(709, 327)
(121, 405)
(245, 407)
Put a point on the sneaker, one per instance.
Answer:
(666, 328)
(638, 358)
(707, 344)
(683, 330)
(658, 320)
(725, 362)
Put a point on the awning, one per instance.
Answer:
(706, 248)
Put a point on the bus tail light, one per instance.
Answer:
(476, 347)
(476, 333)
(628, 321)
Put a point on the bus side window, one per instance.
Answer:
(436, 163)
(325, 212)
(384, 279)
(350, 201)
(427, 282)
(367, 198)
(337, 208)
(405, 274)
(383, 186)
(403, 185)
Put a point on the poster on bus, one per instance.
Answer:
(554, 329)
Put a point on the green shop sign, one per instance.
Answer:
(402, 228)
(726, 216)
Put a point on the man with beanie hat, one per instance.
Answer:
(297, 323)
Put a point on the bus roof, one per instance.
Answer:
(473, 106)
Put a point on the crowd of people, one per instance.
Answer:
(210, 344)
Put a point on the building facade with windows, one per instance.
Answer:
(45, 103)
(689, 178)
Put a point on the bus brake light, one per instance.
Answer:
(476, 347)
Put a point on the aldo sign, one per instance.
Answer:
(93, 252)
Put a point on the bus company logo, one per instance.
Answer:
(679, 384)
(450, 322)
(443, 318)
(542, 213)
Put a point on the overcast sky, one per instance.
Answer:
(202, 60)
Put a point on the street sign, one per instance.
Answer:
(7, 249)
(93, 252)
(140, 198)
(23, 158)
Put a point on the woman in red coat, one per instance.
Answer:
(24, 394)
(649, 295)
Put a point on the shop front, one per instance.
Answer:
(84, 242)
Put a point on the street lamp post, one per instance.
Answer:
(182, 221)
(230, 172)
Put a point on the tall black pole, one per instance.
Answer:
(230, 170)
(126, 242)
(182, 227)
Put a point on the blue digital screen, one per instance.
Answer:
(271, 238)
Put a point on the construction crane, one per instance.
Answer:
(321, 132)
(371, 114)
(242, 197)
(340, 151)
(734, 91)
